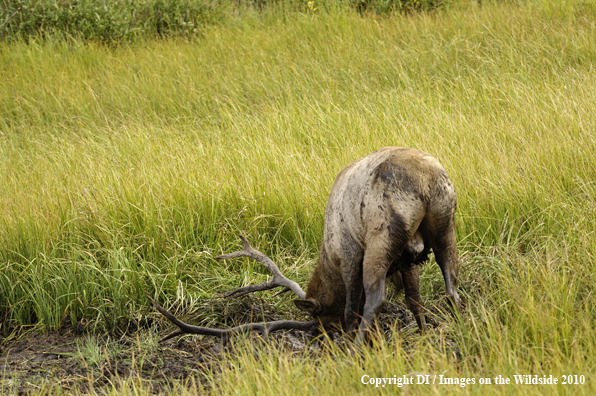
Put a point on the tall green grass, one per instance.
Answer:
(123, 170)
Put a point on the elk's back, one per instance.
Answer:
(390, 193)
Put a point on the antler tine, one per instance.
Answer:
(277, 281)
(263, 328)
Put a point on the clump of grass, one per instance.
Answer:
(93, 353)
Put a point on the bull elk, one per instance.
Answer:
(385, 213)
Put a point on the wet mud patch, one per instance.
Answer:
(77, 363)
(73, 363)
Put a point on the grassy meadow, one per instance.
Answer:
(124, 169)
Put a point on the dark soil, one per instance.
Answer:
(58, 361)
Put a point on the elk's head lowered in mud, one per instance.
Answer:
(385, 213)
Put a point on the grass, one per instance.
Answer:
(124, 170)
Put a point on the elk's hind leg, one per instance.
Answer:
(410, 277)
(374, 272)
(445, 250)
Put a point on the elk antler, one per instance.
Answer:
(278, 279)
(263, 328)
